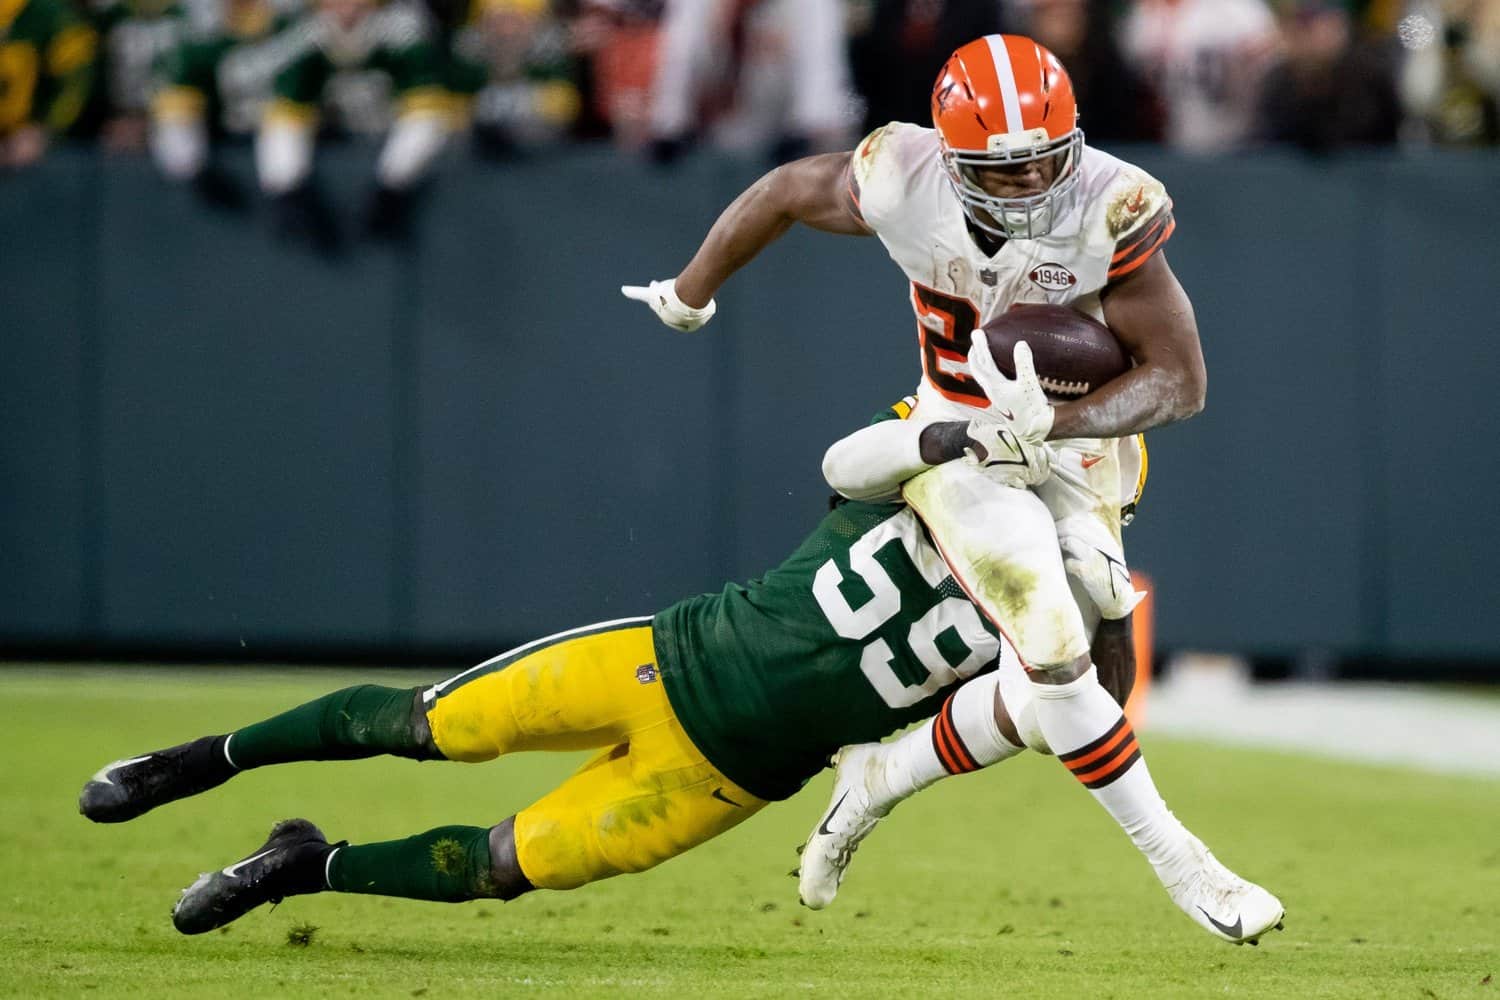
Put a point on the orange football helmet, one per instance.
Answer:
(1002, 100)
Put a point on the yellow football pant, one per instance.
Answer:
(648, 797)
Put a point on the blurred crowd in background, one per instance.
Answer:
(180, 79)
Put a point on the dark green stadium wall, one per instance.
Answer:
(211, 442)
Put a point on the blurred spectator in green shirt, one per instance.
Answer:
(46, 70)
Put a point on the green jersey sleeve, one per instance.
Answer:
(859, 632)
(407, 52)
(189, 89)
(302, 79)
(898, 410)
(412, 67)
(192, 62)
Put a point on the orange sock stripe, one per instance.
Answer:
(1108, 763)
(961, 752)
(1080, 759)
(1118, 766)
(1093, 745)
(940, 744)
(956, 764)
(1105, 752)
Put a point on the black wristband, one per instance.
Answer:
(944, 441)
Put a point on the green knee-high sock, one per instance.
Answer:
(450, 864)
(364, 721)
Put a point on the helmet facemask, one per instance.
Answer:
(1024, 218)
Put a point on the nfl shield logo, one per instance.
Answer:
(646, 673)
(989, 276)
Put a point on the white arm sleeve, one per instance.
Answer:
(283, 155)
(179, 147)
(415, 141)
(873, 462)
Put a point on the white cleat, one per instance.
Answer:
(849, 820)
(1222, 903)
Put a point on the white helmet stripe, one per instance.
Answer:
(1007, 76)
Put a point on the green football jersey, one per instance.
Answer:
(860, 632)
(394, 41)
(135, 35)
(46, 63)
(224, 72)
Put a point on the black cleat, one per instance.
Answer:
(289, 863)
(127, 788)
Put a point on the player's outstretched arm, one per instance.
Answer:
(1152, 317)
(873, 462)
(813, 191)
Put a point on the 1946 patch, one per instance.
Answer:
(1052, 277)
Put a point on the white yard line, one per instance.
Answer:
(1212, 699)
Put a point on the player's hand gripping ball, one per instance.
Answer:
(1005, 456)
(1018, 403)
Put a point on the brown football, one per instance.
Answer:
(1074, 353)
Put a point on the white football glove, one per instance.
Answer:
(661, 296)
(1105, 577)
(1020, 402)
(1006, 456)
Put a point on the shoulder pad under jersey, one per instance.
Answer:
(883, 165)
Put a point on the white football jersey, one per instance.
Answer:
(1118, 218)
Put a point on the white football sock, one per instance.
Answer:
(1086, 728)
(962, 737)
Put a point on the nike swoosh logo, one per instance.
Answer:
(718, 793)
(1007, 415)
(1089, 461)
(1234, 930)
(102, 775)
(233, 869)
(823, 826)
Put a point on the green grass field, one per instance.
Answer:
(1009, 883)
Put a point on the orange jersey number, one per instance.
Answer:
(945, 328)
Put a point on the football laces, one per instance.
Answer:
(1063, 387)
